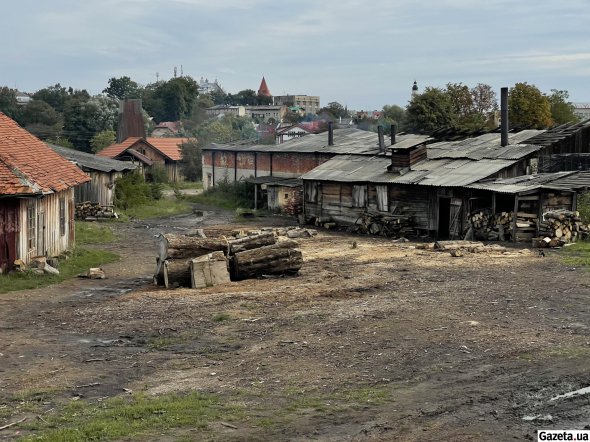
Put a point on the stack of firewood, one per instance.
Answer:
(562, 226)
(391, 226)
(488, 226)
(93, 211)
(246, 257)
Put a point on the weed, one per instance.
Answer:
(227, 195)
(576, 255)
(92, 233)
(219, 317)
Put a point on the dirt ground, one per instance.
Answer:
(373, 341)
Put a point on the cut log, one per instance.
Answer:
(458, 244)
(209, 270)
(278, 258)
(176, 273)
(184, 247)
(251, 242)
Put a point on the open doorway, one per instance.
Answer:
(444, 214)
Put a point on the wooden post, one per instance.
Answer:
(493, 203)
(514, 217)
(255, 196)
(236, 165)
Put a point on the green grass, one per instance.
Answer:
(79, 261)
(128, 417)
(185, 185)
(158, 208)
(220, 317)
(226, 195)
(93, 233)
(576, 255)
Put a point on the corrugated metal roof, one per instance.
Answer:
(346, 141)
(522, 183)
(91, 161)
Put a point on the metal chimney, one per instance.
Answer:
(330, 133)
(504, 116)
(381, 139)
(393, 129)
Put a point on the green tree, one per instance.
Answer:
(42, 120)
(528, 107)
(393, 115)
(85, 118)
(484, 99)
(199, 114)
(102, 139)
(171, 100)
(57, 96)
(431, 111)
(191, 164)
(562, 111)
(8, 103)
(334, 111)
(122, 88)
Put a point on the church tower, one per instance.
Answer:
(263, 89)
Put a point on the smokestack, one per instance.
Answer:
(504, 116)
(330, 133)
(393, 129)
(381, 139)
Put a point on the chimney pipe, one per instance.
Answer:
(393, 129)
(381, 140)
(330, 133)
(504, 116)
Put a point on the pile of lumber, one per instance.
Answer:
(93, 211)
(190, 261)
(560, 227)
(391, 226)
(526, 225)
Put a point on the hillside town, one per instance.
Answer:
(334, 223)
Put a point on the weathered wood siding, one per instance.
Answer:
(100, 190)
(50, 238)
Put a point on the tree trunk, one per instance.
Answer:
(184, 247)
(450, 245)
(278, 258)
(251, 242)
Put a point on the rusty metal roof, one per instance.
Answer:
(346, 141)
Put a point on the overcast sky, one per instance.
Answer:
(363, 54)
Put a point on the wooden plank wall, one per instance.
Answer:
(100, 190)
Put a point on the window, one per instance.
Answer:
(62, 216)
(31, 225)
(382, 200)
(286, 196)
(311, 191)
(359, 196)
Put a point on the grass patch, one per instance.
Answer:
(93, 233)
(219, 317)
(80, 260)
(125, 417)
(158, 208)
(576, 255)
(226, 195)
(185, 185)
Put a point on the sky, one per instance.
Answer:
(362, 54)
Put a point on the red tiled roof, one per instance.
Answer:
(29, 166)
(116, 149)
(263, 89)
(173, 126)
(169, 147)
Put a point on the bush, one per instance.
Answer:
(584, 207)
(228, 195)
(157, 174)
(131, 190)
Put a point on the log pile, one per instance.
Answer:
(187, 260)
(560, 227)
(391, 226)
(489, 226)
(93, 211)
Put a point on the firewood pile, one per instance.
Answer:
(191, 261)
(560, 227)
(391, 226)
(489, 226)
(295, 205)
(92, 211)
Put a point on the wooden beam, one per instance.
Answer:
(514, 218)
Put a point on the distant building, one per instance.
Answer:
(309, 103)
(167, 129)
(414, 90)
(582, 110)
(206, 87)
(23, 99)
(263, 90)
(286, 132)
(226, 109)
(266, 114)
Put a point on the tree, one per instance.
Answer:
(199, 114)
(84, 119)
(528, 107)
(42, 120)
(484, 99)
(431, 111)
(8, 103)
(57, 96)
(393, 115)
(334, 111)
(122, 88)
(171, 100)
(191, 164)
(102, 139)
(562, 111)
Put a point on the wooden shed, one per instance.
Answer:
(103, 173)
(36, 197)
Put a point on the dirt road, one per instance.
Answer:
(381, 341)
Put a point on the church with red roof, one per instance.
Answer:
(263, 90)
